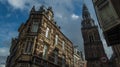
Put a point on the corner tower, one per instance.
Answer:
(94, 51)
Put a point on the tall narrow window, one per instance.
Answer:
(34, 27)
(28, 48)
(63, 61)
(63, 45)
(56, 39)
(47, 32)
(45, 49)
(49, 17)
(91, 38)
(56, 57)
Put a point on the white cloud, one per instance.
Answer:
(74, 16)
(23, 4)
(17, 3)
(59, 15)
(4, 51)
(2, 65)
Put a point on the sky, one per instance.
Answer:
(67, 14)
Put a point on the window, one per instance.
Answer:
(107, 15)
(34, 27)
(45, 49)
(56, 39)
(91, 38)
(63, 61)
(47, 32)
(24, 65)
(29, 46)
(51, 30)
(45, 25)
(63, 45)
(49, 17)
(56, 57)
(74, 59)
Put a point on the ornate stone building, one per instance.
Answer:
(40, 43)
(78, 59)
(94, 51)
(108, 13)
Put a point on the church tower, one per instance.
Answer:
(94, 51)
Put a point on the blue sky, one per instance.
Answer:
(67, 15)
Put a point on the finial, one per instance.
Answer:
(50, 8)
(42, 8)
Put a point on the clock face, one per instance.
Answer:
(103, 59)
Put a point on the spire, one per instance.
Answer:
(85, 7)
(85, 13)
(87, 20)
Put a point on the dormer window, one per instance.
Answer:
(34, 27)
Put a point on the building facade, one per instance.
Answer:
(78, 59)
(94, 51)
(40, 43)
(108, 13)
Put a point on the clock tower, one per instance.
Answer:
(94, 51)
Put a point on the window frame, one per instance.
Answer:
(34, 27)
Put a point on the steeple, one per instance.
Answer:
(87, 20)
(85, 14)
(93, 47)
